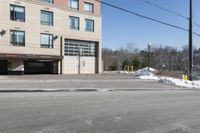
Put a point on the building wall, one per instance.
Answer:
(64, 4)
(33, 28)
(61, 3)
(87, 36)
(96, 6)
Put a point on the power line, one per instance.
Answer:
(145, 17)
(198, 25)
(196, 34)
(169, 11)
(165, 9)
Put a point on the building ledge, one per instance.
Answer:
(30, 56)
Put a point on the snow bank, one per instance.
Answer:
(140, 71)
(180, 82)
(148, 75)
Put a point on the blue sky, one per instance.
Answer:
(120, 28)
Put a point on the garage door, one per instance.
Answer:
(80, 57)
(87, 65)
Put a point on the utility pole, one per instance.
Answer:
(190, 44)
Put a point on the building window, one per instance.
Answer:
(47, 18)
(89, 25)
(83, 48)
(48, 1)
(17, 13)
(74, 23)
(17, 38)
(46, 40)
(89, 7)
(74, 4)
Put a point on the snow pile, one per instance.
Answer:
(180, 82)
(147, 74)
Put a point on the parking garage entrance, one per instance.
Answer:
(19, 64)
(40, 67)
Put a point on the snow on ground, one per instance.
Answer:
(180, 82)
(114, 72)
(148, 75)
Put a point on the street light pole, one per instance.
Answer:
(149, 51)
(190, 44)
(61, 54)
(79, 61)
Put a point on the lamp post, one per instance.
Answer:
(61, 54)
(190, 44)
(149, 51)
(79, 60)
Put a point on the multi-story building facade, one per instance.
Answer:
(50, 37)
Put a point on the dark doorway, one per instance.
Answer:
(39, 67)
(3, 67)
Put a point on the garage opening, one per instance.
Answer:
(40, 67)
(3, 67)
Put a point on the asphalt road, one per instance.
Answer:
(101, 112)
(105, 81)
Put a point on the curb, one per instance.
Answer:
(88, 90)
(38, 90)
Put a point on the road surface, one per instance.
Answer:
(152, 111)
(65, 82)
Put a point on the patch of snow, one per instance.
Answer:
(114, 72)
(124, 72)
(148, 75)
(151, 69)
(110, 72)
(180, 82)
(144, 70)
